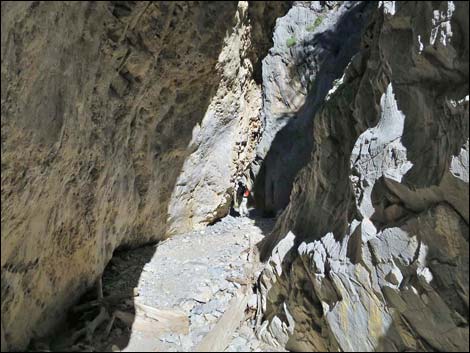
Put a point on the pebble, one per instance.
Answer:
(253, 301)
(209, 307)
(210, 317)
(197, 320)
(204, 295)
(238, 344)
(239, 341)
(187, 305)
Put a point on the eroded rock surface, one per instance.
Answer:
(313, 44)
(223, 145)
(125, 123)
(108, 109)
(376, 252)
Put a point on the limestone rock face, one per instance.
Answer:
(108, 111)
(123, 123)
(313, 44)
(376, 254)
(223, 145)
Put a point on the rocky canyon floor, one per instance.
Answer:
(192, 292)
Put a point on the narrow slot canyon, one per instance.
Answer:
(234, 176)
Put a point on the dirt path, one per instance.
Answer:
(180, 290)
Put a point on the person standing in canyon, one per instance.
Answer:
(244, 204)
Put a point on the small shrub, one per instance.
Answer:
(315, 24)
(291, 42)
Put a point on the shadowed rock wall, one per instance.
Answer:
(107, 109)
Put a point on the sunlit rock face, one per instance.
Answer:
(223, 144)
(376, 256)
(313, 44)
(122, 123)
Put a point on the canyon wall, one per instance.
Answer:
(313, 44)
(223, 144)
(372, 250)
(122, 123)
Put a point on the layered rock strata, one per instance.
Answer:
(313, 44)
(372, 251)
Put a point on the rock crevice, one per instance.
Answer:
(376, 251)
(122, 123)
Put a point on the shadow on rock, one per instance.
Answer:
(325, 55)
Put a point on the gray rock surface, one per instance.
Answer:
(313, 44)
(375, 237)
(223, 145)
(193, 274)
(127, 123)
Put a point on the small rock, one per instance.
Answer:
(204, 295)
(394, 277)
(210, 317)
(239, 343)
(255, 345)
(223, 286)
(253, 301)
(198, 320)
(187, 305)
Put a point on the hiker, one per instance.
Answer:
(243, 205)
